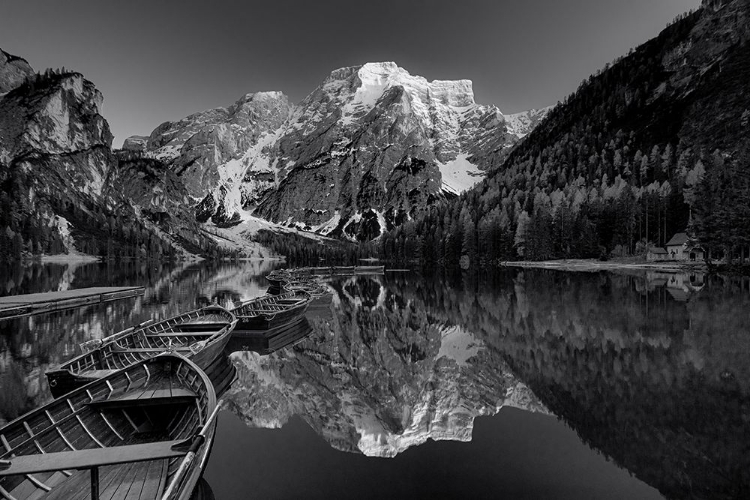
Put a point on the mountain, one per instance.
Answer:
(622, 164)
(63, 188)
(368, 149)
(13, 71)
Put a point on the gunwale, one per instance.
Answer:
(132, 449)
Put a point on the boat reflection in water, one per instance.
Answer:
(266, 342)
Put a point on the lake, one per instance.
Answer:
(519, 383)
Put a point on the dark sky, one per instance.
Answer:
(162, 60)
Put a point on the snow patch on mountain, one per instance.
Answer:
(459, 175)
(328, 226)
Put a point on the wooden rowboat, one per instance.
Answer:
(312, 287)
(143, 432)
(200, 335)
(271, 311)
(278, 278)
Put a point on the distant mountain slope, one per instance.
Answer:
(368, 149)
(62, 190)
(619, 163)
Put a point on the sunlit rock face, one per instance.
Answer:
(13, 71)
(377, 378)
(136, 143)
(52, 126)
(224, 153)
(363, 152)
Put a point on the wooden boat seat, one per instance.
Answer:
(178, 348)
(93, 457)
(96, 374)
(182, 334)
(116, 482)
(199, 326)
(147, 397)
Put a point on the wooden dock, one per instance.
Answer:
(344, 270)
(15, 306)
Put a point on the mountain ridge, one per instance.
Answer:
(330, 140)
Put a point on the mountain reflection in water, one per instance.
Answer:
(650, 369)
(378, 376)
(653, 370)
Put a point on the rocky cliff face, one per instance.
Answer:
(378, 377)
(364, 151)
(61, 180)
(13, 71)
(52, 124)
(223, 156)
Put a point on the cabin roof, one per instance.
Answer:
(657, 250)
(678, 239)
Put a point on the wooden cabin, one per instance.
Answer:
(682, 247)
(656, 254)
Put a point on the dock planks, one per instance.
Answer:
(15, 306)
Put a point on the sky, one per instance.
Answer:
(163, 60)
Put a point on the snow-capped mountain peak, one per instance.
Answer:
(364, 151)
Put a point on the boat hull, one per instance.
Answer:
(268, 341)
(267, 322)
(92, 365)
(271, 311)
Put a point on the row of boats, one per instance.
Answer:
(134, 415)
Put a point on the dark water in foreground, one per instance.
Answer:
(524, 384)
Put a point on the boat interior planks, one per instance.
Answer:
(120, 437)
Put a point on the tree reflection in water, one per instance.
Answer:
(657, 380)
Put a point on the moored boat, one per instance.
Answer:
(271, 311)
(311, 286)
(200, 335)
(278, 280)
(144, 431)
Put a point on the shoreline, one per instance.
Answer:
(68, 258)
(590, 265)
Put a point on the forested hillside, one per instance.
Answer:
(62, 188)
(654, 144)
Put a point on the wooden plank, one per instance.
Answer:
(35, 303)
(149, 349)
(148, 397)
(182, 334)
(155, 477)
(197, 325)
(132, 483)
(95, 374)
(78, 487)
(93, 457)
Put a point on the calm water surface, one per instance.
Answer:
(523, 384)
